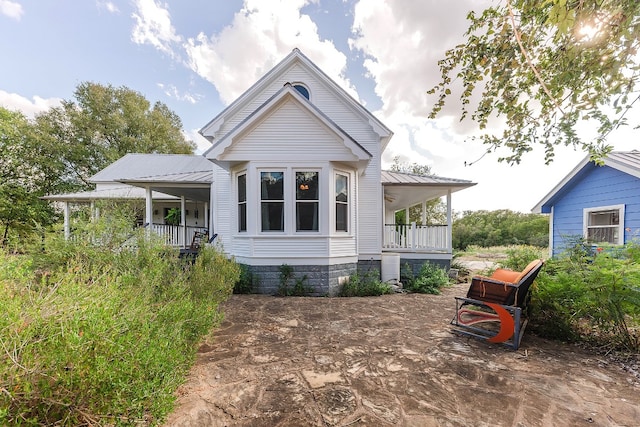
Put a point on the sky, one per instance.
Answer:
(197, 56)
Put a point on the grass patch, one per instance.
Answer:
(91, 336)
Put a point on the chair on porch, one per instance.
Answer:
(196, 243)
(495, 308)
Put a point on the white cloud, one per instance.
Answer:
(11, 9)
(173, 92)
(153, 26)
(261, 34)
(29, 108)
(108, 5)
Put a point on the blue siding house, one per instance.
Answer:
(599, 203)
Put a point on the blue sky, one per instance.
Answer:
(197, 56)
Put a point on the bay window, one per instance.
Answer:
(307, 201)
(272, 201)
(242, 202)
(342, 202)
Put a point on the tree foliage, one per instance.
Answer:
(101, 125)
(23, 178)
(63, 147)
(548, 69)
(499, 228)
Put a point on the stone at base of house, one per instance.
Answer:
(320, 280)
(416, 264)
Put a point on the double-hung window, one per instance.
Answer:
(307, 201)
(272, 201)
(342, 202)
(604, 224)
(242, 202)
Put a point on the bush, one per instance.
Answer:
(364, 285)
(245, 282)
(429, 280)
(590, 298)
(93, 336)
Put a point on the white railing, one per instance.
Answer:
(416, 237)
(173, 235)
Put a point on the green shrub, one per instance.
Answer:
(429, 280)
(364, 285)
(594, 298)
(246, 281)
(103, 337)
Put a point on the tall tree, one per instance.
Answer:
(549, 69)
(101, 125)
(22, 179)
(436, 210)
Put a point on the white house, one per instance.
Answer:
(295, 178)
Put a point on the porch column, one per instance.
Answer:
(148, 210)
(449, 223)
(206, 217)
(183, 220)
(424, 212)
(67, 226)
(406, 215)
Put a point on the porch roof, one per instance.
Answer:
(402, 190)
(125, 192)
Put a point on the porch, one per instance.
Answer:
(176, 235)
(416, 238)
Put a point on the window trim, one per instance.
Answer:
(335, 203)
(246, 201)
(285, 198)
(585, 221)
(318, 201)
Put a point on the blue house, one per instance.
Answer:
(599, 203)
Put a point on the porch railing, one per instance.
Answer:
(173, 235)
(416, 237)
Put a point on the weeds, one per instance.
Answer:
(429, 279)
(93, 336)
(363, 285)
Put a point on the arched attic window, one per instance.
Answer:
(304, 91)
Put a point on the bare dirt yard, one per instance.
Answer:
(391, 361)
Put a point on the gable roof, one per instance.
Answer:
(209, 130)
(287, 92)
(624, 161)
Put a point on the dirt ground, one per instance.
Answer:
(391, 361)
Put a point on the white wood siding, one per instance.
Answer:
(223, 205)
(289, 133)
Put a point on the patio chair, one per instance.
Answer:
(495, 308)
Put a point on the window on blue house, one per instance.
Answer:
(604, 224)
